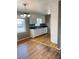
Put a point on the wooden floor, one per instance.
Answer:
(37, 48)
(45, 40)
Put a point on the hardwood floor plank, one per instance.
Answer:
(37, 48)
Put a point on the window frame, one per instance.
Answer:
(24, 26)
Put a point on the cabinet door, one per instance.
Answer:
(45, 30)
(42, 30)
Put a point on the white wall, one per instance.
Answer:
(34, 16)
(54, 21)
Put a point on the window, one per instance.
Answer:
(21, 25)
(39, 21)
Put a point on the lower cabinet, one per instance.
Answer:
(38, 31)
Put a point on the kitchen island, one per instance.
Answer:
(37, 31)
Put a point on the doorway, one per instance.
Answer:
(59, 24)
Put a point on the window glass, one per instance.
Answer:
(21, 25)
(39, 21)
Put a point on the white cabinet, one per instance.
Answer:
(38, 31)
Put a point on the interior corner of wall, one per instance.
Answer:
(54, 39)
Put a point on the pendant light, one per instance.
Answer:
(25, 14)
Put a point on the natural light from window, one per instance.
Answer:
(39, 21)
(21, 25)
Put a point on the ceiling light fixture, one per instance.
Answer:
(49, 11)
(25, 14)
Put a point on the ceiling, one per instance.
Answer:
(36, 6)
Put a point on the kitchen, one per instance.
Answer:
(36, 25)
